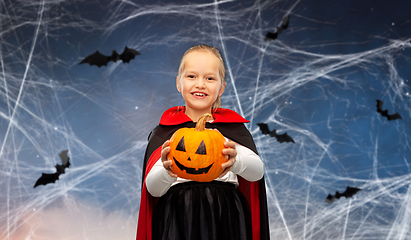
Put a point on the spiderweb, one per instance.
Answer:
(318, 82)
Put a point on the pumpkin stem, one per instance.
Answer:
(200, 126)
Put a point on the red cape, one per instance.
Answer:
(230, 124)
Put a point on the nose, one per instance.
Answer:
(200, 83)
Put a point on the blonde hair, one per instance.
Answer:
(221, 69)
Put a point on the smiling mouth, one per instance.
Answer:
(192, 170)
(197, 94)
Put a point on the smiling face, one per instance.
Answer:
(200, 83)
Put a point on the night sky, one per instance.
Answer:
(318, 81)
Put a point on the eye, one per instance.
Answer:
(181, 145)
(201, 149)
(210, 79)
(190, 76)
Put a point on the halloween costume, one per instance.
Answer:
(230, 124)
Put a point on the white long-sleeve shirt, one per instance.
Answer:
(247, 165)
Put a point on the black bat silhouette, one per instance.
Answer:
(385, 112)
(47, 178)
(280, 137)
(99, 59)
(349, 192)
(273, 35)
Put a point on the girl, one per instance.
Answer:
(234, 205)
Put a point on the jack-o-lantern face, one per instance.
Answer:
(197, 155)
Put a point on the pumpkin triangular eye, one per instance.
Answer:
(201, 149)
(181, 145)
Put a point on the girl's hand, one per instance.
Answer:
(165, 150)
(231, 153)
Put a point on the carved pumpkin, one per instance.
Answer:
(197, 153)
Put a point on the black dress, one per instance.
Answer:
(202, 211)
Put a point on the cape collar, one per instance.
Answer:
(176, 115)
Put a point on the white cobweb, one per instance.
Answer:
(318, 88)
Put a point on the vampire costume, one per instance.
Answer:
(231, 125)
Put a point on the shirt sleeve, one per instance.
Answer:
(158, 181)
(248, 164)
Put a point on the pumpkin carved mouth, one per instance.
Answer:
(192, 170)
